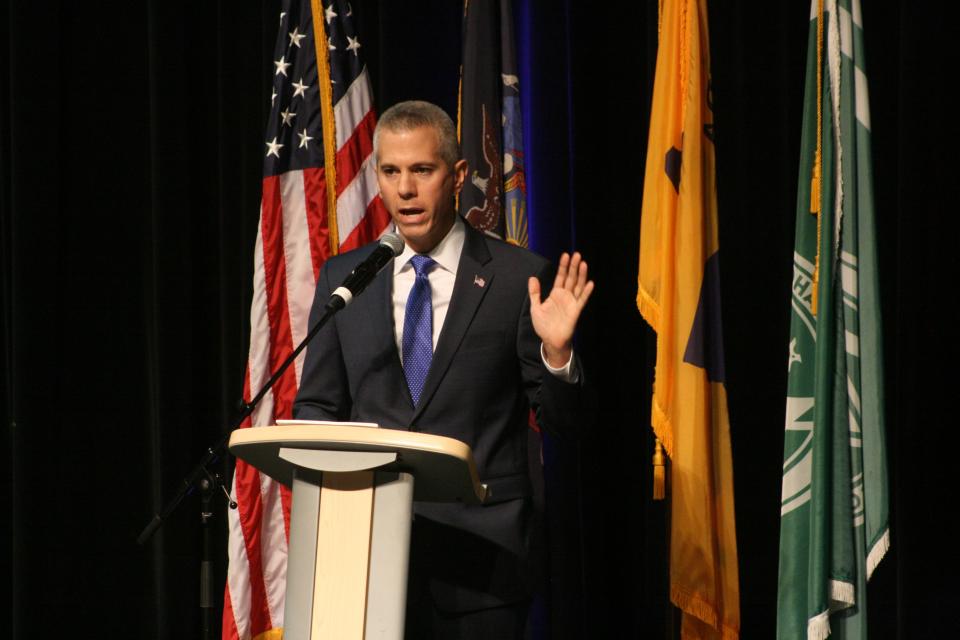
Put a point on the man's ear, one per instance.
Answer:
(459, 175)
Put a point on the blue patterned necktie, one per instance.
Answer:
(418, 328)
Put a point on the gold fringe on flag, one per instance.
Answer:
(815, 204)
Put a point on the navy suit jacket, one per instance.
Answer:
(486, 373)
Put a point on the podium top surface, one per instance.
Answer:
(443, 468)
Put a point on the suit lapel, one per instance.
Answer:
(474, 278)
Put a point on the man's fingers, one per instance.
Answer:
(582, 299)
(562, 270)
(581, 280)
(571, 279)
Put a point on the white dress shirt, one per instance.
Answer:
(442, 278)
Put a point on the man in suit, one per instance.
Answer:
(453, 339)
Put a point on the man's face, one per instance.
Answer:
(417, 186)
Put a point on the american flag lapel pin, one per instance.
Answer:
(480, 282)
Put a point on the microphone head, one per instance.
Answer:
(392, 241)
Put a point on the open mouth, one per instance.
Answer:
(410, 211)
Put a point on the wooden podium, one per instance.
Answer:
(353, 491)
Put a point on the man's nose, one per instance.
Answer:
(407, 187)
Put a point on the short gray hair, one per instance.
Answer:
(413, 114)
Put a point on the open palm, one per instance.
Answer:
(555, 318)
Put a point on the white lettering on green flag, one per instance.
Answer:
(834, 510)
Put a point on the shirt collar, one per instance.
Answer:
(446, 254)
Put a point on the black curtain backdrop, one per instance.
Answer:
(130, 158)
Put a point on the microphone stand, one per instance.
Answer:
(201, 478)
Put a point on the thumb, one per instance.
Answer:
(533, 286)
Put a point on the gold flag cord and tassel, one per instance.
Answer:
(659, 471)
(328, 122)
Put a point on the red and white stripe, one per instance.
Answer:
(361, 216)
(292, 244)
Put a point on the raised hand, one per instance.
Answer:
(555, 319)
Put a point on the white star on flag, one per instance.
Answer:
(282, 65)
(301, 89)
(304, 139)
(296, 37)
(287, 116)
(354, 45)
(330, 14)
(274, 148)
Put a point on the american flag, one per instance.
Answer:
(319, 198)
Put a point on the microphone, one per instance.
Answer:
(391, 244)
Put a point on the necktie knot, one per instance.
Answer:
(422, 264)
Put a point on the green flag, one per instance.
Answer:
(834, 525)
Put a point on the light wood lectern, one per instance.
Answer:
(353, 489)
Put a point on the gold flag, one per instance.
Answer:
(679, 296)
